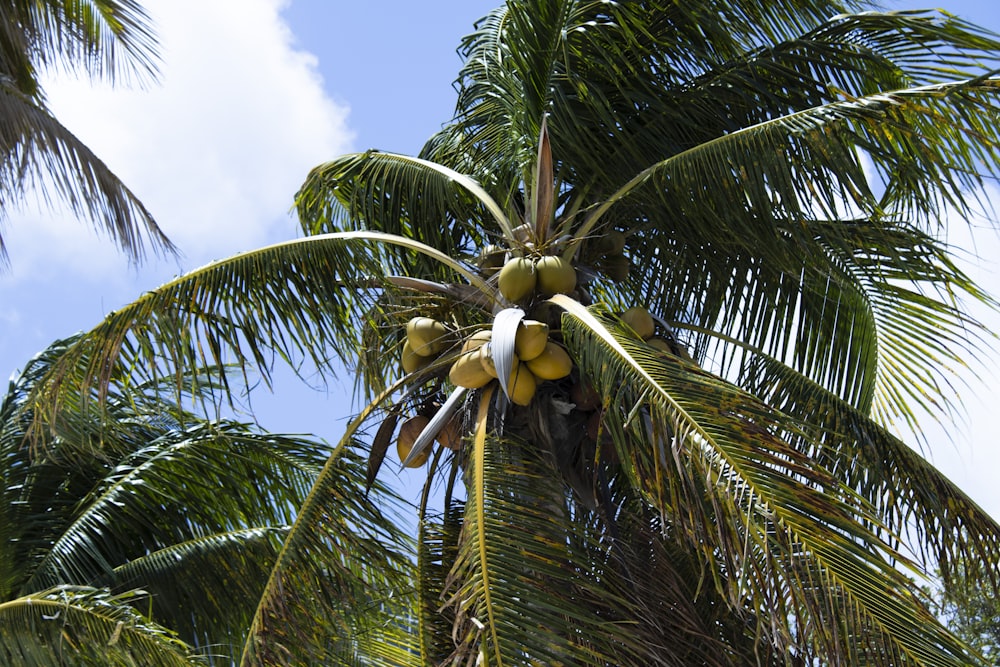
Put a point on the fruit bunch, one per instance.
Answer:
(536, 359)
(525, 277)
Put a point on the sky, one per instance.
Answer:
(254, 93)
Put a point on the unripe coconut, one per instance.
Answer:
(408, 434)
(615, 242)
(412, 361)
(468, 372)
(660, 344)
(426, 335)
(555, 275)
(530, 339)
(477, 340)
(640, 321)
(517, 279)
(552, 364)
(616, 267)
(522, 384)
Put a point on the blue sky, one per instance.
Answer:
(253, 94)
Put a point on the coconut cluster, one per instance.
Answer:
(524, 280)
(536, 359)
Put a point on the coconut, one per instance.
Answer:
(517, 279)
(477, 340)
(412, 361)
(522, 384)
(426, 335)
(552, 364)
(616, 267)
(660, 344)
(450, 435)
(408, 434)
(486, 359)
(530, 339)
(468, 372)
(555, 275)
(640, 321)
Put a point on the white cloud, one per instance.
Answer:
(216, 150)
(968, 452)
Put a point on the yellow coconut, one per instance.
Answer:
(408, 433)
(555, 275)
(486, 359)
(426, 335)
(411, 360)
(477, 340)
(468, 372)
(517, 279)
(530, 339)
(522, 384)
(552, 364)
(640, 321)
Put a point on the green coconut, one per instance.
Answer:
(517, 279)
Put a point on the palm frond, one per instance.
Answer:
(715, 460)
(401, 195)
(39, 152)
(110, 39)
(815, 169)
(335, 590)
(153, 496)
(85, 626)
(520, 535)
(293, 301)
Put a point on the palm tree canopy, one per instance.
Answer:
(717, 484)
(107, 39)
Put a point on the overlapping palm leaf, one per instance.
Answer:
(86, 626)
(715, 461)
(141, 495)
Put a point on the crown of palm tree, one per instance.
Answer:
(768, 181)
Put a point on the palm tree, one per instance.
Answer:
(699, 246)
(146, 539)
(110, 39)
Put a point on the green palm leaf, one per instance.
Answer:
(302, 299)
(805, 545)
(334, 593)
(84, 626)
(39, 151)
